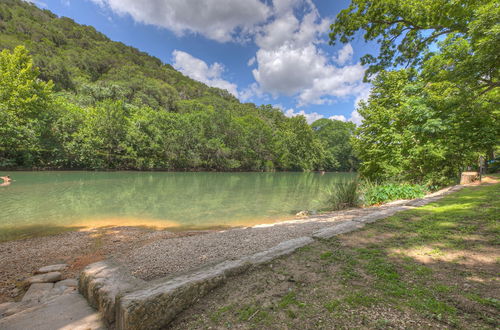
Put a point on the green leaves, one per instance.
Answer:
(406, 29)
(426, 123)
(23, 101)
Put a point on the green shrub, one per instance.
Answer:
(343, 194)
(373, 193)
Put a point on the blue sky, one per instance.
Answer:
(263, 51)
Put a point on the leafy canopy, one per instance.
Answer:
(406, 30)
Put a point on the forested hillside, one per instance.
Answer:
(72, 98)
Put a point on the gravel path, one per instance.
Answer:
(169, 257)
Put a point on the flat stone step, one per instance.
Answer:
(52, 268)
(66, 312)
(45, 278)
(69, 283)
(38, 292)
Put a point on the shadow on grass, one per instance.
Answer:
(440, 260)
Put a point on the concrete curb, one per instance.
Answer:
(129, 303)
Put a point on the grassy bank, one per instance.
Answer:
(435, 266)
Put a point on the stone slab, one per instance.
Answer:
(102, 282)
(384, 213)
(37, 292)
(66, 312)
(45, 278)
(4, 307)
(52, 268)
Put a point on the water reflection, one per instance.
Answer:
(172, 199)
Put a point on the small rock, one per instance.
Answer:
(70, 283)
(281, 277)
(52, 268)
(302, 214)
(45, 278)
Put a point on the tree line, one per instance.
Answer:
(42, 129)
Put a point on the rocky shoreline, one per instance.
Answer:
(19, 259)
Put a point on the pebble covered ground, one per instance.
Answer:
(20, 258)
(170, 257)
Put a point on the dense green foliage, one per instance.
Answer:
(343, 194)
(81, 100)
(335, 137)
(422, 132)
(428, 122)
(377, 194)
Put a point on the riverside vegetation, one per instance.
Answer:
(348, 193)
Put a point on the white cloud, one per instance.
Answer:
(356, 118)
(344, 55)
(338, 117)
(219, 20)
(199, 70)
(290, 61)
(310, 117)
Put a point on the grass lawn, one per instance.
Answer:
(432, 267)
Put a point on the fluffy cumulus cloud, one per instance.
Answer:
(338, 117)
(310, 117)
(199, 70)
(290, 61)
(221, 20)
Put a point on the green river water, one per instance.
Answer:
(182, 200)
